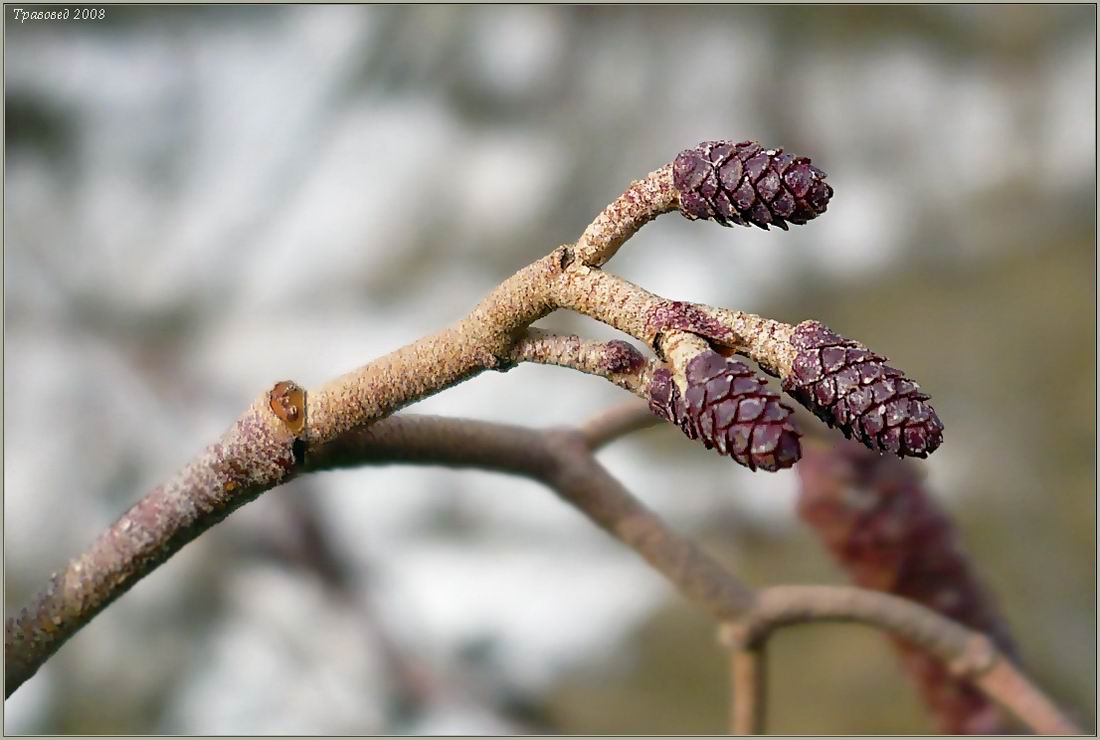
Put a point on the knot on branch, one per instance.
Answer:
(850, 387)
(746, 184)
(729, 409)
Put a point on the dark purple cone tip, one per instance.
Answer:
(746, 184)
(850, 387)
(729, 409)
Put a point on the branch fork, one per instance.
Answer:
(351, 420)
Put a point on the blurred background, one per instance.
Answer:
(202, 200)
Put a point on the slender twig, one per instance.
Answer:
(562, 459)
(617, 421)
(617, 361)
(748, 704)
(968, 654)
(642, 202)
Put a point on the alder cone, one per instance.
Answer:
(729, 409)
(850, 387)
(883, 526)
(746, 184)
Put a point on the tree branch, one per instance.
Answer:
(617, 421)
(562, 459)
(287, 432)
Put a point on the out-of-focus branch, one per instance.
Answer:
(562, 458)
(749, 697)
(617, 421)
(969, 655)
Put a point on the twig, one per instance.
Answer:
(563, 460)
(969, 655)
(617, 421)
(749, 699)
(560, 458)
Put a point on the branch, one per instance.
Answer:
(272, 442)
(748, 706)
(969, 655)
(617, 421)
(563, 460)
(287, 431)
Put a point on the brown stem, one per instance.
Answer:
(560, 458)
(563, 460)
(642, 202)
(256, 454)
(748, 704)
(1012, 689)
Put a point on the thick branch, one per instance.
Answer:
(492, 336)
(256, 454)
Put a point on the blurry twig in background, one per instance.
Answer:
(562, 459)
(309, 547)
(748, 701)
